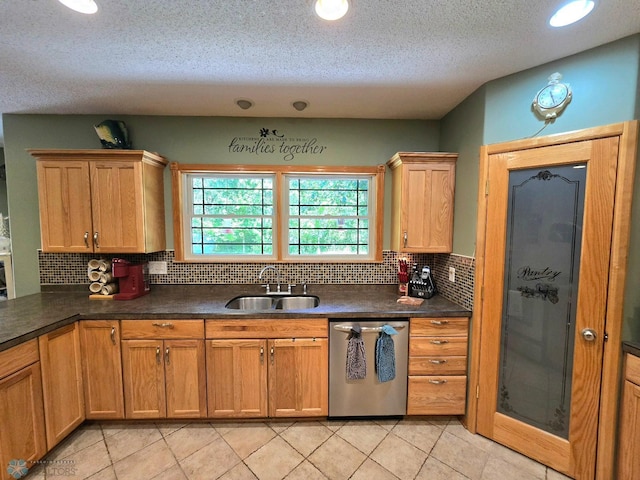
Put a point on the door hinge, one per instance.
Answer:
(477, 391)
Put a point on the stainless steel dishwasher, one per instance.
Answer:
(367, 396)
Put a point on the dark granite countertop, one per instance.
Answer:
(632, 348)
(28, 317)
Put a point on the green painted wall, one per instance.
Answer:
(606, 89)
(191, 140)
(463, 132)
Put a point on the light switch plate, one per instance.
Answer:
(158, 268)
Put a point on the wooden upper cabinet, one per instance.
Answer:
(102, 201)
(422, 202)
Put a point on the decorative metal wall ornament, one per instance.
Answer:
(113, 134)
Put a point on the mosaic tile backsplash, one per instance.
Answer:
(71, 269)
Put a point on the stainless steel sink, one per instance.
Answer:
(297, 302)
(268, 302)
(250, 303)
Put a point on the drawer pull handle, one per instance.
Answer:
(439, 342)
(437, 382)
(437, 362)
(113, 335)
(162, 325)
(439, 322)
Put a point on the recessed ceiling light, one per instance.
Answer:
(300, 105)
(82, 6)
(571, 13)
(332, 9)
(244, 104)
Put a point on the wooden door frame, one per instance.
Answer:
(612, 360)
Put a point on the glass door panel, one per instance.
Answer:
(542, 260)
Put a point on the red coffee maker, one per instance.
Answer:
(132, 279)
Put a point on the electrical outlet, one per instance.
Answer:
(158, 268)
(452, 274)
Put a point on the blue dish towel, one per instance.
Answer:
(356, 357)
(385, 354)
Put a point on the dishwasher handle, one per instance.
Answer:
(348, 328)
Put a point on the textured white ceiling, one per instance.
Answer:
(410, 59)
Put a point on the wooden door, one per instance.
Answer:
(143, 377)
(185, 378)
(61, 382)
(547, 259)
(427, 213)
(64, 193)
(237, 378)
(102, 369)
(298, 377)
(22, 436)
(118, 220)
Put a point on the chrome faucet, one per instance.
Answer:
(270, 267)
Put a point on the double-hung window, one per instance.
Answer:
(262, 213)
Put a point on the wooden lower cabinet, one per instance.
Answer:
(298, 377)
(22, 430)
(164, 378)
(267, 376)
(61, 382)
(629, 440)
(237, 378)
(102, 369)
(437, 366)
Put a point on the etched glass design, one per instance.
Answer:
(542, 261)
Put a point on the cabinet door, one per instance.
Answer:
(298, 377)
(143, 377)
(22, 435)
(237, 378)
(61, 382)
(117, 207)
(185, 378)
(102, 369)
(628, 459)
(427, 208)
(64, 192)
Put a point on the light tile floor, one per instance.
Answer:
(429, 448)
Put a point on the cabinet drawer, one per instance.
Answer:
(18, 357)
(437, 346)
(449, 326)
(159, 329)
(262, 328)
(438, 365)
(437, 395)
(632, 369)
